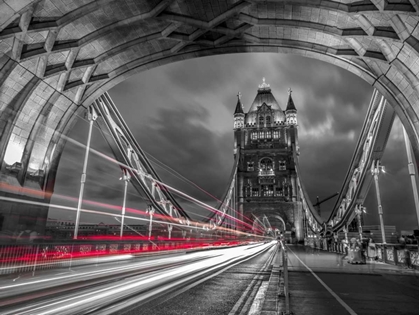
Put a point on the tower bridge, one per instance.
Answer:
(265, 138)
(58, 59)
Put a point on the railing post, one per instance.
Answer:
(394, 252)
(36, 259)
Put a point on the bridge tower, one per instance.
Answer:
(265, 138)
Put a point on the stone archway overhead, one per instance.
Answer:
(56, 56)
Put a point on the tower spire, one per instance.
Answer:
(239, 106)
(290, 103)
(291, 112)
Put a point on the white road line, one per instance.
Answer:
(257, 305)
(244, 295)
(348, 308)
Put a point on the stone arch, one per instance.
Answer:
(276, 216)
(70, 53)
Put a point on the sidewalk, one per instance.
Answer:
(307, 296)
(323, 261)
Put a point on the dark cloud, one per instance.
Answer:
(202, 154)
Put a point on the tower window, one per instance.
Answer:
(248, 191)
(282, 165)
(266, 164)
(255, 192)
(268, 190)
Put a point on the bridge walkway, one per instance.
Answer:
(320, 283)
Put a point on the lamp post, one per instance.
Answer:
(126, 178)
(151, 211)
(91, 116)
(376, 169)
(358, 210)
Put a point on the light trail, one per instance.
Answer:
(122, 165)
(141, 286)
(197, 226)
(180, 176)
(114, 161)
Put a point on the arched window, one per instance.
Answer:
(268, 121)
(266, 164)
(261, 121)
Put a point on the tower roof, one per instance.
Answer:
(264, 96)
(290, 104)
(239, 106)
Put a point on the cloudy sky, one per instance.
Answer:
(182, 115)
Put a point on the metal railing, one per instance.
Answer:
(394, 254)
(31, 257)
(285, 278)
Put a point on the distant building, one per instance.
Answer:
(266, 138)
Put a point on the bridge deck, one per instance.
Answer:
(321, 283)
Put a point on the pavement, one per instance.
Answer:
(321, 283)
(323, 261)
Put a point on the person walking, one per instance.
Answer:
(346, 251)
(371, 249)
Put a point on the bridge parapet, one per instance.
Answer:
(394, 254)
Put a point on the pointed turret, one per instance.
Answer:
(264, 96)
(239, 107)
(290, 103)
(291, 111)
(239, 115)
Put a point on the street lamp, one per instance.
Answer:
(151, 211)
(91, 116)
(358, 210)
(126, 178)
(376, 169)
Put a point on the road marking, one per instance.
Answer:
(257, 305)
(240, 303)
(348, 308)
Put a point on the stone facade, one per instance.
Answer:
(265, 139)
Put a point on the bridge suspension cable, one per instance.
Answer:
(369, 149)
(134, 162)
